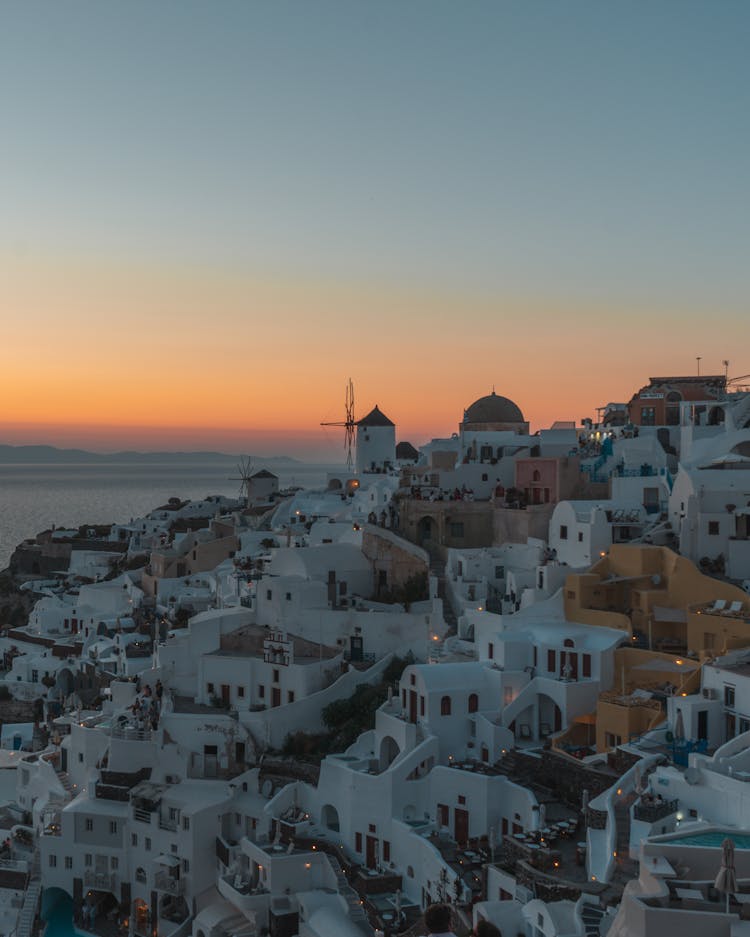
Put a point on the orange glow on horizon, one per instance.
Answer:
(111, 356)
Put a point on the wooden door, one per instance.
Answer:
(461, 825)
(412, 705)
(275, 696)
(225, 695)
(371, 852)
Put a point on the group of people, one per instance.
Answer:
(147, 706)
(438, 919)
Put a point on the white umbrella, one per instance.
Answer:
(726, 880)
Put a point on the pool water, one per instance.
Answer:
(57, 912)
(713, 838)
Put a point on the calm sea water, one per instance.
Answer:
(34, 497)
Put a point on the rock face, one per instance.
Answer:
(15, 605)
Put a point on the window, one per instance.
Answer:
(563, 531)
(587, 665)
(269, 594)
(491, 651)
(499, 572)
(443, 815)
(262, 691)
(35, 679)
(729, 696)
(275, 676)
(133, 839)
(147, 844)
(113, 826)
(88, 859)
(114, 862)
(89, 825)
(386, 851)
(473, 702)
(550, 661)
(648, 416)
(713, 528)
(421, 705)
(68, 862)
(173, 813)
(210, 689)
(240, 691)
(290, 696)
(342, 588)
(53, 862)
(186, 823)
(445, 706)
(462, 800)
(457, 529)
(80, 758)
(185, 865)
(413, 680)
(580, 536)
(288, 596)
(371, 828)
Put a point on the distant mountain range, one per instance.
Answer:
(29, 454)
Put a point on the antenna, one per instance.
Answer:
(244, 477)
(348, 424)
(725, 362)
(698, 359)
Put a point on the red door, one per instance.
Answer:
(461, 825)
(412, 705)
(371, 854)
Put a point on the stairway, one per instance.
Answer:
(591, 915)
(27, 916)
(64, 778)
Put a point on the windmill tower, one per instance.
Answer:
(348, 423)
(244, 477)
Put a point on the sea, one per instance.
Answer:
(35, 496)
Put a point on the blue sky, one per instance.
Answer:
(593, 147)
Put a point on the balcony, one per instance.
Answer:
(102, 881)
(166, 824)
(163, 881)
(653, 811)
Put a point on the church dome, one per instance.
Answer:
(493, 409)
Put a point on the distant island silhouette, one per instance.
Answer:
(28, 454)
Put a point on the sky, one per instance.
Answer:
(212, 214)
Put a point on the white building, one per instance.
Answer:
(376, 443)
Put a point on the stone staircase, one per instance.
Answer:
(591, 915)
(27, 916)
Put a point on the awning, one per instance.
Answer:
(170, 861)
(586, 719)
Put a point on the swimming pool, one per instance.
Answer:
(711, 839)
(57, 913)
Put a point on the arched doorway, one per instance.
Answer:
(425, 529)
(389, 751)
(329, 817)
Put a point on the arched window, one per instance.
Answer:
(473, 702)
(445, 706)
(569, 642)
(536, 476)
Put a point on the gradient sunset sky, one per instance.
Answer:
(213, 213)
